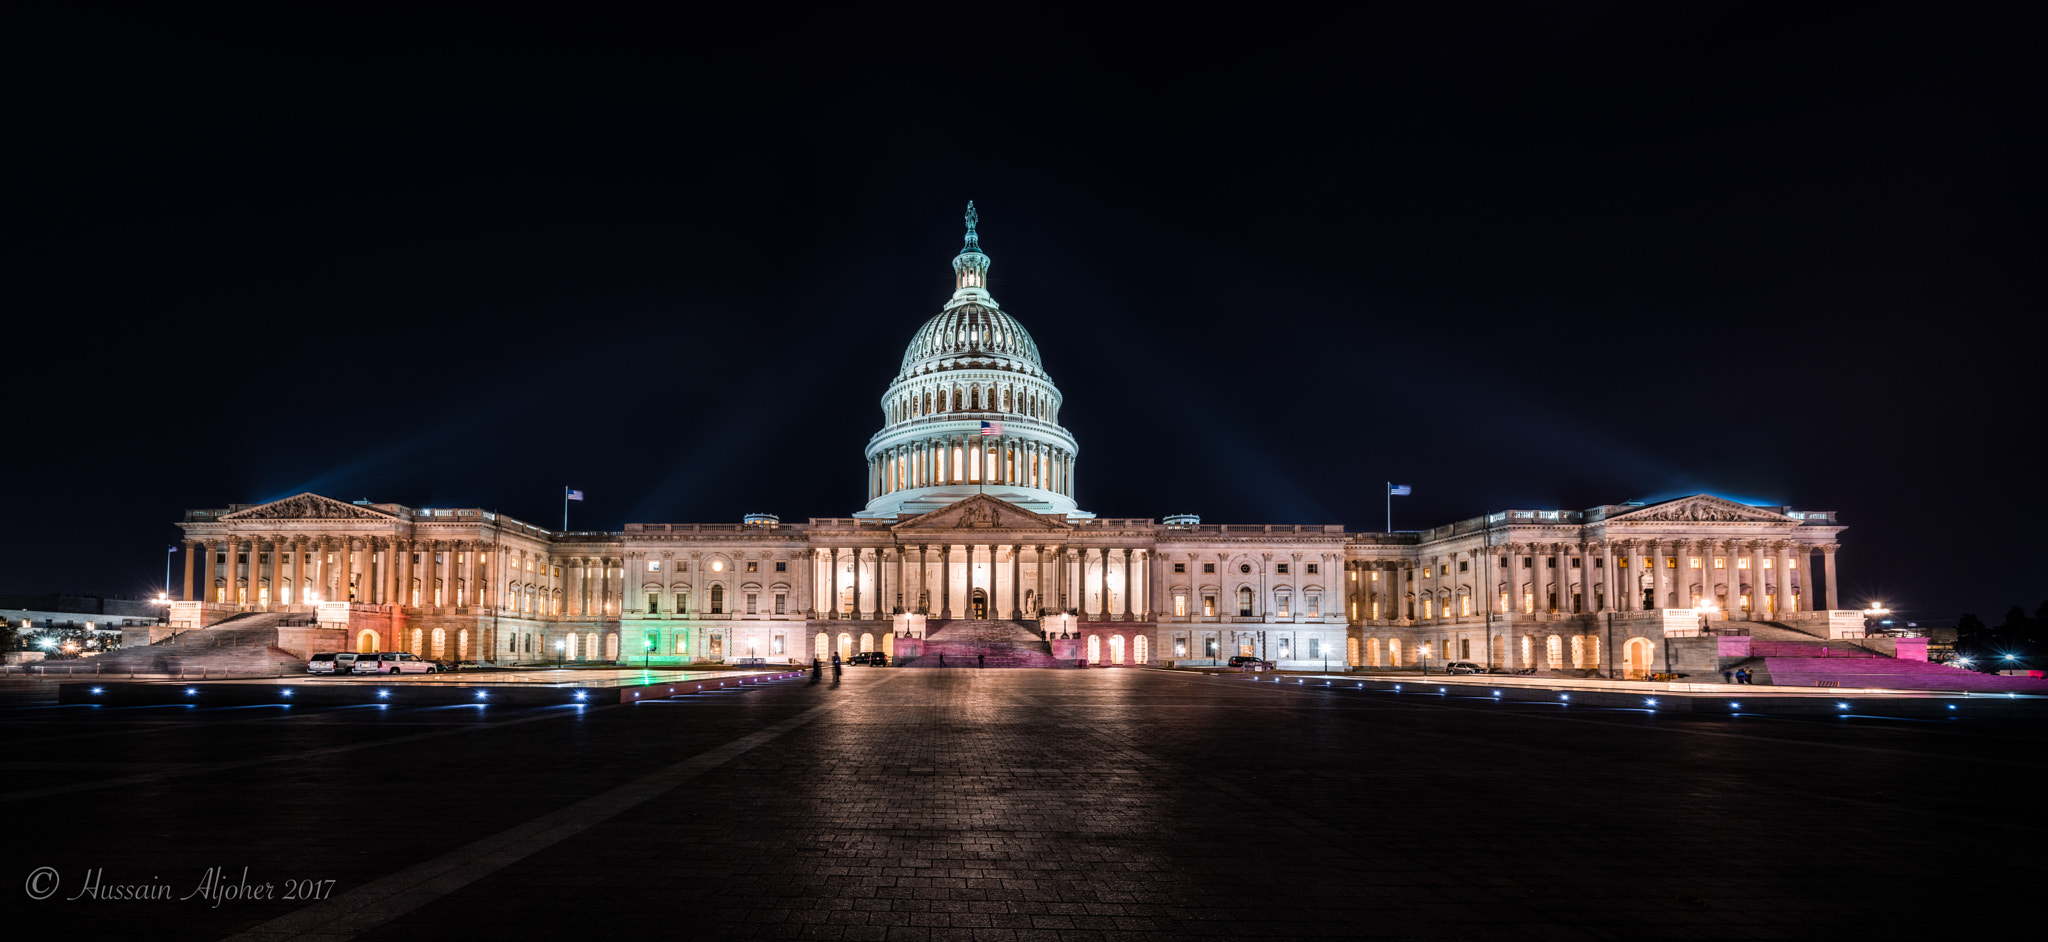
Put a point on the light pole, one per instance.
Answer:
(167, 573)
(559, 648)
(647, 659)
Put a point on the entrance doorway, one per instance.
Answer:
(980, 604)
(366, 643)
(1636, 658)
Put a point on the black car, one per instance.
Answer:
(1246, 662)
(871, 659)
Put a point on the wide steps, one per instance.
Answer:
(1899, 674)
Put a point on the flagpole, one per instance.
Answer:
(565, 510)
(1390, 507)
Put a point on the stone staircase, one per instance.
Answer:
(1785, 656)
(244, 644)
(975, 642)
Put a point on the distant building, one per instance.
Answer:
(77, 611)
(972, 517)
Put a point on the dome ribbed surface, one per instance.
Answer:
(971, 330)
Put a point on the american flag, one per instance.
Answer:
(991, 428)
(571, 494)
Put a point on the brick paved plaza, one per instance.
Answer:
(904, 804)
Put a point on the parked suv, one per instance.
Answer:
(871, 659)
(1463, 667)
(322, 664)
(392, 662)
(1246, 662)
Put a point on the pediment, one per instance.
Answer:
(307, 506)
(1700, 508)
(982, 512)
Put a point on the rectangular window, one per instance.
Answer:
(1770, 563)
(1209, 605)
(1528, 562)
(1622, 562)
(1693, 563)
(776, 647)
(1180, 567)
(1315, 606)
(1180, 608)
(654, 565)
(1283, 569)
(1312, 568)
(1577, 562)
(1315, 648)
(752, 598)
(753, 565)
(1792, 563)
(1464, 565)
(1444, 570)
(1600, 562)
(1208, 567)
(1671, 562)
(782, 567)
(1742, 562)
(1283, 605)
(1720, 562)
(653, 604)
(1209, 646)
(1180, 645)
(781, 608)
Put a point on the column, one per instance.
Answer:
(1607, 573)
(946, 580)
(1102, 599)
(1127, 584)
(1757, 584)
(859, 564)
(1827, 556)
(210, 548)
(393, 589)
(922, 602)
(1782, 576)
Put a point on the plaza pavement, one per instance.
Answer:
(1026, 805)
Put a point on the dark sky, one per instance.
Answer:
(1535, 256)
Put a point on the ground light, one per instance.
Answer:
(190, 691)
(1734, 705)
(287, 691)
(1564, 696)
(1651, 701)
(383, 693)
(96, 690)
(1841, 706)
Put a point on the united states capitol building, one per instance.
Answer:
(972, 543)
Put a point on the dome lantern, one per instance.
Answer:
(970, 267)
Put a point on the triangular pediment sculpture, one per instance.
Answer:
(982, 512)
(1700, 508)
(307, 506)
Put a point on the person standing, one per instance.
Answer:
(981, 660)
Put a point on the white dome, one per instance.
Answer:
(971, 332)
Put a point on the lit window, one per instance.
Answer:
(1693, 562)
(1180, 610)
(654, 565)
(1792, 563)
(1720, 562)
(753, 565)
(1770, 563)
(1209, 607)
(1742, 563)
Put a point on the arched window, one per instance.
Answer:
(1394, 651)
(1094, 649)
(1140, 650)
(1553, 651)
(440, 643)
(1116, 649)
(717, 600)
(1006, 400)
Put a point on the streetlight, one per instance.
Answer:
(648, 657)
(559, 648)
(167, 574)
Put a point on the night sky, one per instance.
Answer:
(1542, 256)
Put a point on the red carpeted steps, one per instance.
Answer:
(977, 643)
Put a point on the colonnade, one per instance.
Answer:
(1757, 578)
(864, 582)
(971, 459)
(425, 574)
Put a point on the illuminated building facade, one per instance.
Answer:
(971, 519)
